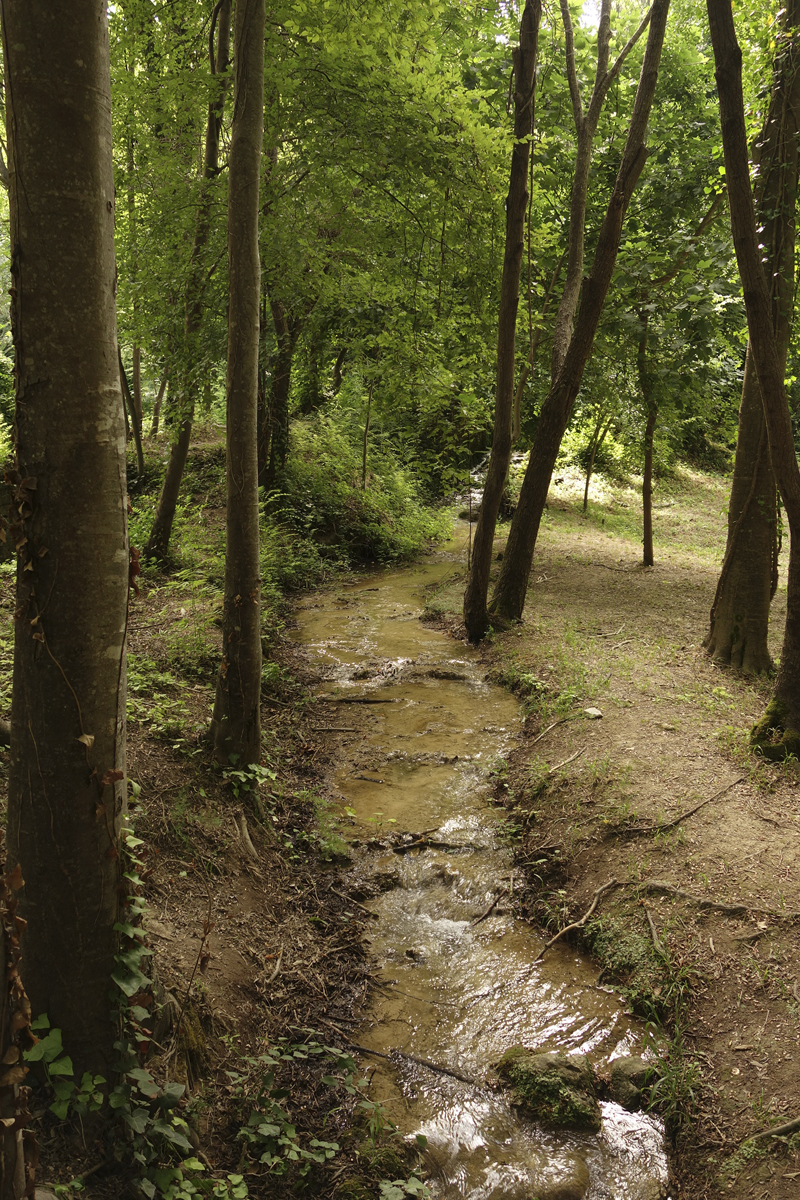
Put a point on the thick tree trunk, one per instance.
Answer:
(740, 613)
(512, 585)
(158, 543)
(783, 713)
(237, 721)
(475, 615)
(67, 787)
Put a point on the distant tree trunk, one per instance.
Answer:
(186, 385)
(337, 369)
(598, 437)
(475, 615)
(740, 613)
(778, 732)
(67, 788)
(651, 408)
(512, 585)
(237, 721)
(274, 441)
(157, 406)
(131, 408)
(366, 440)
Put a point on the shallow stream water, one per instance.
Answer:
(453, 991)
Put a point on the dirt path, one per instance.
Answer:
(601, 632)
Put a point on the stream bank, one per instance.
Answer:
(661, 793)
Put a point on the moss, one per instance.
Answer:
(555, 1089)
(764, 735)
(628, 959)
(192, 1043)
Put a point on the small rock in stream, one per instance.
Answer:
(628, 1077)
(558, 1090)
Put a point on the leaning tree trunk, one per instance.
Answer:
(740, 613)
(186, 384)
(512, 585)
(778, 733)
(651, 408)
(475, 615)
(237, 722)
(67, 786)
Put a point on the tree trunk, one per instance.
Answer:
(782, 717)
(130, 406)
(158, 543)
(274, 437)
(237, 720)
(475, 615)
(157, 406)
(651, 409)
(67, 788)
(512, 585)
(740, 613)
(598, 437)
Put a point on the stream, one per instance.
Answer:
(450, 990)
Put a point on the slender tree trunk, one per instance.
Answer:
(366, 440)
(67, 788)
(274, 438)
(158, 543)
(651, 408)
(598, 437)
(237, 719)
(782, 718)
(157, 406)
(512, 585)
(740, 613)
(337, 369)
(475, 615)
(131, 409)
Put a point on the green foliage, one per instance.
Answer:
(322, 498)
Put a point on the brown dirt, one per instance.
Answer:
(601, 631)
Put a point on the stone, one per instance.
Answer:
(594, 714)
(558, 1090)
(628, 1077)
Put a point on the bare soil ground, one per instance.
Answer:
(600, 799)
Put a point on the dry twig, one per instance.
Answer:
(606, 887)
(490, 909)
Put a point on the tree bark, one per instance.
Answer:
(157, 406)
(512, 585)
(740, 613)
(186, 384)
(237, 721)
(67, 788)
(651, 408)
(782, 718)
(475, 614)
(273, 439)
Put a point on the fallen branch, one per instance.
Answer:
(658, 885)
(660, 827)
(544, 733)
(658, 945)
(606, 887)
(350, 900)
(367, 779)
(571, 758)
(490, 909)
(421, 1062)
(778, 1131)
(355, 700)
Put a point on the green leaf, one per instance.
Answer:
(62, 1066)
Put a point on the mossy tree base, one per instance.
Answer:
(774, 737)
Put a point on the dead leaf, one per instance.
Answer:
(86, 738)
(112, 776)
(13, 1075)
(14, 879)
(11, 1055)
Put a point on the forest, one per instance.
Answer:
(400, 575)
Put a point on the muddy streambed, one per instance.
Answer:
(453, 991)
